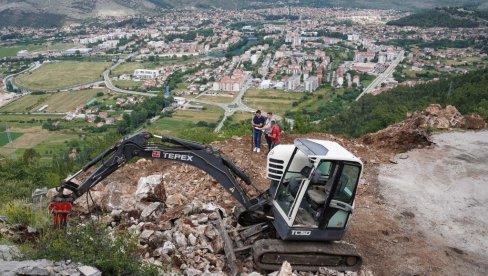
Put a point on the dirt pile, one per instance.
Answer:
(414, 130)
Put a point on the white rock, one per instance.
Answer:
(150, 209)
(168, 248)
(192, 239)
(116, 213)
(146, 185)
(285, 269)
(210, 232)
(192, 272)
(146, 234)
(89, 271)
(180, 239)
(9, 252)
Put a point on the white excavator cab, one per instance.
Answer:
(314, 183)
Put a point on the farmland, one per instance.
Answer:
(58, 75)
(43, 141)
(271, 100)
(9, 51)
(182, 119)
(4, 137)
(56, 102)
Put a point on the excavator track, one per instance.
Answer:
(269, 254)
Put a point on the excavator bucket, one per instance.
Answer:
(60, 211)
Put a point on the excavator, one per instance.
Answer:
(301, 218)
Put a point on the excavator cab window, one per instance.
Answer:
(340, 207)
(315, 196)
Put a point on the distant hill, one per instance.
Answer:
(410, 5)
(444, 17)
(48, 13)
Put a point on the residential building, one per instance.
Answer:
(311, 84)
(145, 74)
(292, 82)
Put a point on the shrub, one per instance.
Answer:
(19, 212)
(93, 244)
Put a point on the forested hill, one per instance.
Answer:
(469, 94)
(444, 17)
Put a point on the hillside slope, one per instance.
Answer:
(444, 17)
(48, 13)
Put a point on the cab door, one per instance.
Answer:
(340, 205)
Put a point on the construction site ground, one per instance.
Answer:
(419, 212)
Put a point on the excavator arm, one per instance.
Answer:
(201, 156)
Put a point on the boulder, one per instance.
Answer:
(150, 209)
(150, 188)
(175, 200)
(168, 248)
(9, 252)
(146, 234)
(89, 271)
(180, 239)
(474, 121)
(286, 269)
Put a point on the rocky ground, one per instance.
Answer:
(172, 207)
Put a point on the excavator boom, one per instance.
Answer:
(201, 156)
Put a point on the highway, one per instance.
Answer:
(383, 76)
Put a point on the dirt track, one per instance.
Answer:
(426, 215)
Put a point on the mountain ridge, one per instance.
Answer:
(53, 13)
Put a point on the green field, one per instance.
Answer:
(128, 84)
(10, 51)
(25, 121)
(182, 119)
(63, 74)
(127, 68)
(4, 137)
(57, 102)
(43, 141)
(271, 100)
(216, 99)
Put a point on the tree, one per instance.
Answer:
(30, 156)
(10, 87)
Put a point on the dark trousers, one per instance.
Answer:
(257, 138)
(268, 141)
(274, 144)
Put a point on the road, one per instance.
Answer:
(383, 76)
(229, 108)
(110, 86)
(33, 67)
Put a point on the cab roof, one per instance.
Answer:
(324, 150)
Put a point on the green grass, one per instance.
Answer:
(9, 51)
(59, 75)
(4, 137)
(216, 99)
(128, 84)
(51, 145)
(57, 102)
(182, 119)
(127, 68)
(25, 121)
(271, 100)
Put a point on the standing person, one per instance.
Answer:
(275, 134)
(267, 129)
(257, 123)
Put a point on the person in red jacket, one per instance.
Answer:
(275, 134)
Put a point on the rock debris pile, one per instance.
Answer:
(414, 131)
